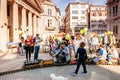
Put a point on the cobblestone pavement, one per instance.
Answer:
(101, 72)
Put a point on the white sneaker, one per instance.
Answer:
(73, 74)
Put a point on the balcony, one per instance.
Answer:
(50, 28)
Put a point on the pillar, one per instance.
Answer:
(24, 22)
(38, 26)
(30, 22)
(15, 22)
(34, 25)
(3, 25)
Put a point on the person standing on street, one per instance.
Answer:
(28, 48)
(81, 51)
(20, 47)
(37, 41)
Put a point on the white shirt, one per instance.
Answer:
(37, 41)
(95, 41)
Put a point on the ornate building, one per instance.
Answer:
(50, 19)
(16, 15)
(113, 16)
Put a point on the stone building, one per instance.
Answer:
(16, 15)
(113, 17)
(98, 16)
(50, 19)
(76, 17)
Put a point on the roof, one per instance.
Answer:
(34, 4)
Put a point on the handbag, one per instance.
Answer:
(26, 46)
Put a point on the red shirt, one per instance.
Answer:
(28, 41)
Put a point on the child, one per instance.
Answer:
(20, 48)
(81, 51)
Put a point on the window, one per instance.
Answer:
(100, 14)
(74, 17)
(82, 12)
(115, 10)
(115, 29)
(75, 12)
(8, 10)
(94, 14)
(82, 6)
(99, 8)
(49, 12)
(74, 6)
(74, 23)
(82, 23)
(49, 23)
(105, 14)
(93, 26)
(83, 17)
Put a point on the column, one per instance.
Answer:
(34, 25)
(15, 22)
(38, 26)
(30, 23)
(0, 12)
(24, 22)
(3, 25)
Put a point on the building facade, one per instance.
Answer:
(62, 27)
(16, 16)
(76, 17)
(98, 16)
(50, 19)
(113, 17)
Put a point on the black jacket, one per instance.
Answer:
(82, 54)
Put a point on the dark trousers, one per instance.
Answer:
(32, 49)
(28, 53)
(37, 48)
(79, 62)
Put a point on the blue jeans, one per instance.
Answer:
(37, 48)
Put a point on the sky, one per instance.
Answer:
(61, 4)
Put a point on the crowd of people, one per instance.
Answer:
(99, 46)
(65, 47)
